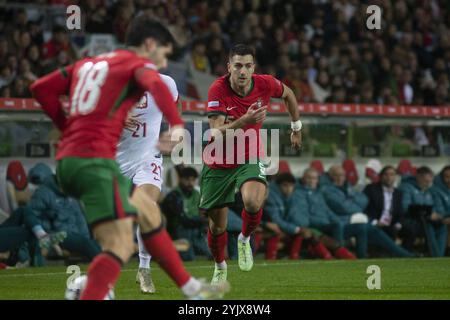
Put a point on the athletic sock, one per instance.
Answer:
(250, 221)
(159, 244)
(295, 247)
(221, 265)
(272, 247)
(144, 257)
(217, 244)
(191, 287)
(101, 276)
(243, 238)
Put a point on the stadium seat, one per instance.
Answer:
(373, 168)
(405, 168)
(284, 167)
(318, 165)
(16, 185)
(350, 171)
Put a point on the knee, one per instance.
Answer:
(121, 244)
(149, 219)
(216, 229)
(252, 205)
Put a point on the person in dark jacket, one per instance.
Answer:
(58, 213)
(385, 209)
(184, 220)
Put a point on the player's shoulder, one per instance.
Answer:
(219, 85)
(168, 80)
(263, 78)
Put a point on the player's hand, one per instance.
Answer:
(305, 233)
(255, 114)
(169, 139)
(296, 140)
(435, 217)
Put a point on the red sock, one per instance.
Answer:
(295, 247)
(217, 244)
(250, 221)
(272, 247)
(321, 251)
(344, 253)
(258, 237)
(160, 246)
(102, 275)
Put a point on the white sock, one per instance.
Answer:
(191, 287)
(144, 257)
(221, 265)
(243, 238)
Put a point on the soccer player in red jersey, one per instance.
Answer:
(238, 101)
(102, 90)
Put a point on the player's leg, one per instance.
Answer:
(158, 243)
(143, 276)
(104, 193)
(217, 188)
(116, 239)
(217, 241)
(253, 196)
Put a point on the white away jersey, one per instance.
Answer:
(139, 145)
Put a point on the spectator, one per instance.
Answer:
(421, 203)
(282, 208)
(350, 205)
(198, 59)
(184, 220)
(59, 42)
(58, 213)
(442, 190)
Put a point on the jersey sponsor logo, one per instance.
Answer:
(213, 104)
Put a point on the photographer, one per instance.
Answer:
(420, 204)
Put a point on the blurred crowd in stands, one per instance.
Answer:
(401, 212)
(321, 48)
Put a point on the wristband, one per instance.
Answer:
(296, 125)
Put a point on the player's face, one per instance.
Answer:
(159, 55)
(446, 177)
(388, 178)
(241, 69)
(188, 183)
(311, 179)
(338, 177)
(287, 188)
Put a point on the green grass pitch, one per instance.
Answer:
(283, 279)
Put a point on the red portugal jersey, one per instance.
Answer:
(102, 90)
(223, 100)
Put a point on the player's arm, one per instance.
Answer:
(149, 80)
(48, 90)
(290, 100)
(253, 115)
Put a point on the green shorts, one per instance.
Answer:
(99, 185)
(218, 187)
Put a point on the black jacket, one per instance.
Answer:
(374, 210)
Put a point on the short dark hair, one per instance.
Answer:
(385, 169)
(424, 170)
(241, 50)
(188, 172)
(285, 177)
(143, 27)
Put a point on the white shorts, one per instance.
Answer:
(149, 172)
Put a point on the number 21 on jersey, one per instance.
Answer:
(91, 77)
